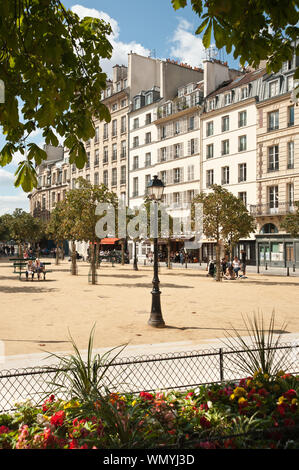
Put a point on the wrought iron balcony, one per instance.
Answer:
(281, 208)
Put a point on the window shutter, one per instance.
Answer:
(189, 147)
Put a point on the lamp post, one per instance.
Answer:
(155, 192)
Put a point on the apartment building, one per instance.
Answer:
(53, 177)
(164, 138)
(107, 152)
(228, 143)
(277, 172)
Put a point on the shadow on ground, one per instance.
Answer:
(29, 289)
(277, 332)
(148, 285)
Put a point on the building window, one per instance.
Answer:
(96, 157)
(135, 142)
(148, 138)
(123, 124)
(291, 116)
(146, 182)
(210, 178)
(148, 159)
(225, 123)
(44, 203)
(135, 187)
(114, 127)
(105, 178)
(210, 128)
(242, 143)
(273, 88)
(96, 178)
(137, 103)
(105, 136)
(290, 154)
(114, 107)
(177, 175)
(273, 120)
(53, 199)
(177, 127)
(148, 118)
(176, 150)
(190, 172)
(191, 123)
(123, 153)
(88, 160)
(244, 93)
(290, 83)
(243, 196)
(123, 174)
(177, 199)
(105, 156)
(114, 152)
(227, 99)
(163, 132)
(273, 197)
(242, 172)
(287, 65)
(136, 123)
(163, 176)
(225, 175)
(225, 147)
(211, 105)
(242, 118)
(210, 151)
(135, 162)
(192, 147)
(163, 154)
(123, 103)
(290, 195)
(114, 177)
(273, 158)
(96, 137)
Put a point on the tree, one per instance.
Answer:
(24, 228)
(225, 217)
(50, 66)
(80, 214)
(257, 29)
(290, 222)
(5, 227)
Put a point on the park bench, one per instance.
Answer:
(22, 265)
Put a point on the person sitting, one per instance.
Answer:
(229, 273)
(30, 270)
(236, 266)
(211, 268)
(39, 268)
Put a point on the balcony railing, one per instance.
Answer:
(281, 208)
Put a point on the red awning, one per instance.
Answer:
(108, 241)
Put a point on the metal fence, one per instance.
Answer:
(143, 373)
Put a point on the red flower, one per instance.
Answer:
(49, 400)
(73, 444)
(85, 446)
(204, 422)
(229, 444)
(204, 406)
(58, 418)
(147, 396)
(290, 394)
(189, 395)
(172, 431)
(4, 430)
(263, 392)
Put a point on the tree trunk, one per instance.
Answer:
(93, 264)
(74, 259)
(97, 255)
(218, 266)
(62, 251)
(122, 252)
(57, 254)
(168, 253)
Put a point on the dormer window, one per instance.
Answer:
(286, 66)
(244, 93)
(149, 98)
(118, 87)
(273, 88)
(109, 90)
(211, 105)
(227, 99)
(181, 92)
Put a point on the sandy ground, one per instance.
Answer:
(37, 316)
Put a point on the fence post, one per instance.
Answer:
(294, 268)
(221, 364)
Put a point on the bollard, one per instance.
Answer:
(258, 269)
(144, 263)
(266, 267)
(288, 271)
(294, 268)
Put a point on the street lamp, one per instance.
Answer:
(155, 191)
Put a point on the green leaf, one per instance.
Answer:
(178, 4)
(202, 26)
(207, 36)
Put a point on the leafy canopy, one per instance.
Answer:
(50, 66)
(256, 29)
(290, 222)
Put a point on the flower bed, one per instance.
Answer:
(257, 412)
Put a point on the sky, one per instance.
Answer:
(147, 27)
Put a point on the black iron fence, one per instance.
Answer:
(144, 373)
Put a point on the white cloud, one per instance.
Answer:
(188, 47)
(9, 203)
(120, 49)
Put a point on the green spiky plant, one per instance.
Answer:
(84, 380)
(260, 355)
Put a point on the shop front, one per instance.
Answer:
(277, 250)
